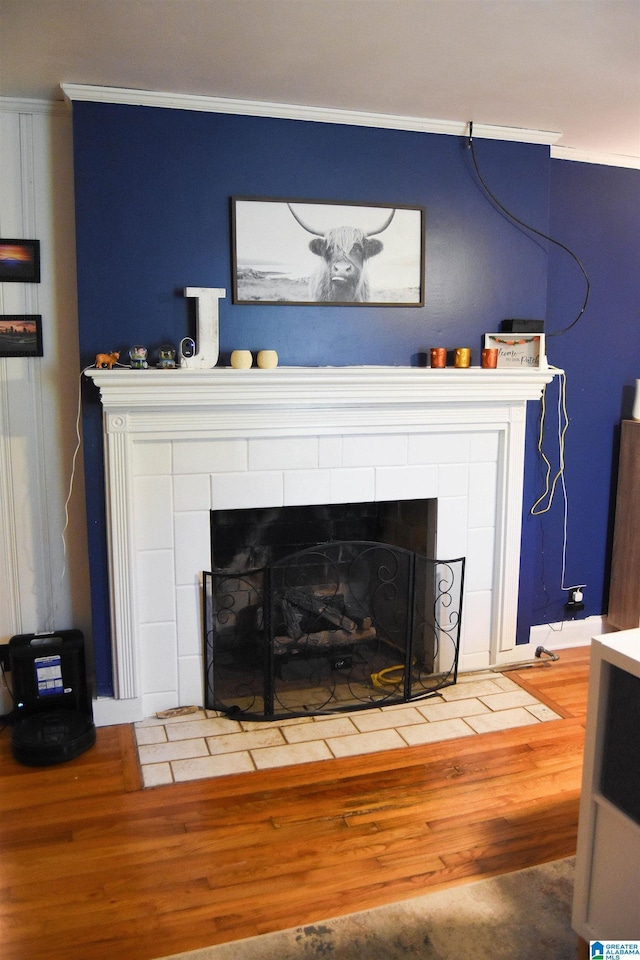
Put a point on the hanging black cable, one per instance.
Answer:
(527, 226)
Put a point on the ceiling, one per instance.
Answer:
(569, 66)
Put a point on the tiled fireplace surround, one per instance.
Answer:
(179, 443)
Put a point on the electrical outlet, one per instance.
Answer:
(575, 603)
(344, 662)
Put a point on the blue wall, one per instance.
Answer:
(595, 210)
(152, 208)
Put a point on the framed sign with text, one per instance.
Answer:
(518, 350)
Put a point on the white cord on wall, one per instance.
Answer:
(73, 474)
(72, 481)
(550, 485)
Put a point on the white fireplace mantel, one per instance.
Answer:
(310, 388)
(181, 442)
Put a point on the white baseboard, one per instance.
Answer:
(108, 711)
(567, 633)
(551, 636)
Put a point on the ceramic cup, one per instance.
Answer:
(241, 359)
(462, 357)
(438, 357)
(490, 358)
(267, 359)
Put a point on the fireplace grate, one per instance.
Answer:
(336, 627)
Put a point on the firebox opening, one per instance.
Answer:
(253, 538)
(318, 609)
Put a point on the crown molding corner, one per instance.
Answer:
(19, 105)
(588, 156)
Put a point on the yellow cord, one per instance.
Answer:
(382, 679)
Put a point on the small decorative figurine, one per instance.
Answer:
(166, 357)
(138, 357)
(105, 361)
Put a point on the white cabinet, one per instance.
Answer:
(606, 902)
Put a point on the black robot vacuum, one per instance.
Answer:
(47, 738)
(52, 717)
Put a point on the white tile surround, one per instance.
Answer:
(179, 443)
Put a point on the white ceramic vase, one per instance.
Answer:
(636, 402)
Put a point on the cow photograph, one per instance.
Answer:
(317, 252)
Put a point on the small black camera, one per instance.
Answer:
(187, 348)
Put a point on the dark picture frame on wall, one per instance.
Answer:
(19, 261)
(326, 253)
(20, 335)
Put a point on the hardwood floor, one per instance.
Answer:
(92, 867)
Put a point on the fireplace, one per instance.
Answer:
(300, 618)
(180, 443)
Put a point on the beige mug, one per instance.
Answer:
(267, 359)
(462, 357)
(241, 359)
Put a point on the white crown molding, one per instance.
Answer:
(288, 111)
(587, 156)
(18, 105)
(291, 111)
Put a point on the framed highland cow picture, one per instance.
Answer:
(324, 253)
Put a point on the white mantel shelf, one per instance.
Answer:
(315, 387)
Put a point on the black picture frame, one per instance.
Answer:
(19, 261)
(20, 335)
(281, 253)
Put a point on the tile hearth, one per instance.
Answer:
(209, 744)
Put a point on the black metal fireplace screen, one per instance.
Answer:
(337, 627)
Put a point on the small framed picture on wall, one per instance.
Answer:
(19, 261)
(20, 335)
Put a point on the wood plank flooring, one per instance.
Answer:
(92, 867)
